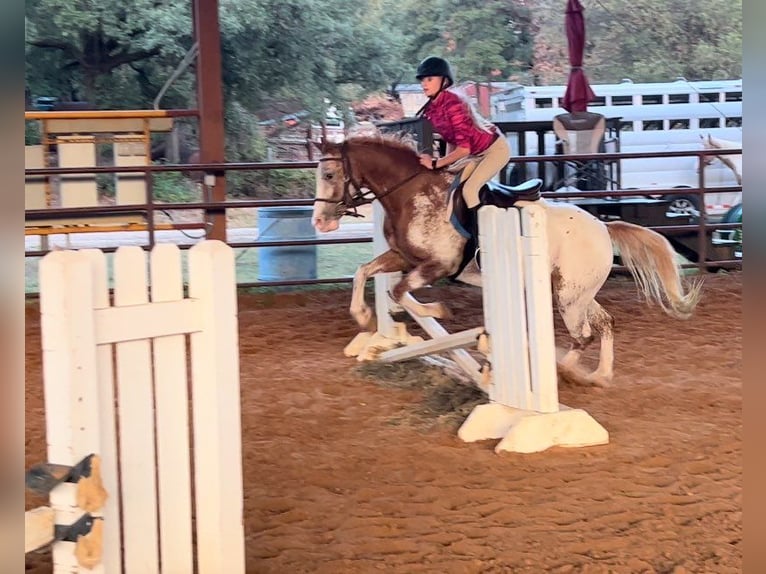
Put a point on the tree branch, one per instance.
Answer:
(127, 57)
(53, 44)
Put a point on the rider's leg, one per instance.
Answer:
(496, 158)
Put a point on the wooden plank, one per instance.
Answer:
(216, 411)
(442, 344)
(172, 414)
(38, 527)
(110, 473)
(129, 188)
(34, 188)
(136, 422)
(64, 558)
(542, 349)
(460, 356)
(106, 125)
(71, 226)
(68, 342)
(70, 374)
(78, 190)
(383, 281)
(504, 305)
(147, 320)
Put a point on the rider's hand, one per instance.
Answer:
(426, 161)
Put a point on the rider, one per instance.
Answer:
(461, 126)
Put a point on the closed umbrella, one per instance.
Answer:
(578, 92)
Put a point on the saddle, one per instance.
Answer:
(466, 220)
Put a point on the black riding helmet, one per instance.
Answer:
(435, 66)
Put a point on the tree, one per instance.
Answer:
(91, 40)
(644, 40)
(481, 38)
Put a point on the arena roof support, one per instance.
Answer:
(210, 105)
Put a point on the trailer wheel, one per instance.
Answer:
(684, 204)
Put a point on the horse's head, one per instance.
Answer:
(330, 179)
(356, 172)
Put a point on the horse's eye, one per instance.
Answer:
(328, 176)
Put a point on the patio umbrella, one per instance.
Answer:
(578, 92)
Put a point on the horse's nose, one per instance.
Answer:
(323, 225)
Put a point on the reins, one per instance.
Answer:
(351, 201)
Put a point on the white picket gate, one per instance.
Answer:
(146, 379)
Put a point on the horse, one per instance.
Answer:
(732, 161)
(425, 246)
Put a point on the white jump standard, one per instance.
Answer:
(524, 411)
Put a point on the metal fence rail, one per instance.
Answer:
(150, 207)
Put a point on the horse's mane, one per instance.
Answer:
(402, 146)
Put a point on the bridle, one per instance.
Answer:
(350, 201)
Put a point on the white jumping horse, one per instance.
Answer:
(425, 246)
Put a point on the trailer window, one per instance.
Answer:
(733, 122)
(708, 97)
(707, 123)
(648, 125)
(622, 100)
(598, 101)
(679, 124)
(651, 99)
(544, 103)
(678, 99)
(626, 126)
(733, 96)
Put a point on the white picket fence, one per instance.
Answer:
(149, 381)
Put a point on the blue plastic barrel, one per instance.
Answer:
(291, 262)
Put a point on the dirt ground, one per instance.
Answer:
(349, 469)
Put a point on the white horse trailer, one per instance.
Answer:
(659, 117)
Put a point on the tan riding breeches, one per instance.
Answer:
(495, 158)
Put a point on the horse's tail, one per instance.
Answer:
(651, 260)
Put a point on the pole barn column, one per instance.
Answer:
(210, 105)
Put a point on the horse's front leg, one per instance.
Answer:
(420, 276)
(387, 262)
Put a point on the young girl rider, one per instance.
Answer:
(466, 132)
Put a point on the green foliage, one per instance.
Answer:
(282, 56)
(481, 38)
(644, 40)
(281, 183)
(32, 133)
(105, 184)
(173, 187)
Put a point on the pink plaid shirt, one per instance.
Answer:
(450, 115)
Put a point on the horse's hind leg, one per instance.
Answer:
(420, 276)
(583, 321)
(602, 323)
(386, 262)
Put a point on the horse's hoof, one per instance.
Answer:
(365, 319)
(438, 311)
(598, 380)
